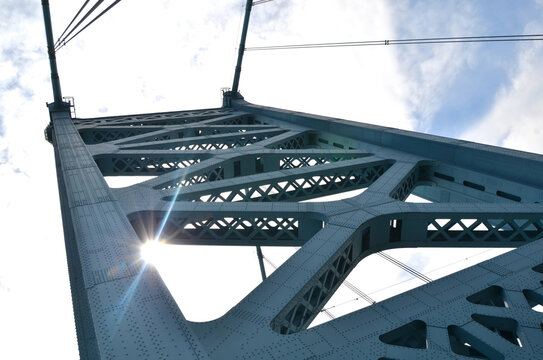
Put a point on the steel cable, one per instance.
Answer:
(437, 40)
(260, 2)
(62, 41)
(71, 22)
(65, 42)
(405, 267)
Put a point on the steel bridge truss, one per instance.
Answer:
(237, 175)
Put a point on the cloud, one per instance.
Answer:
(7, 166)
(23, 67)
(431, 70)
(19, 8)
(16, 53)
(360, 84)
(515, 119)
(2, 286)
(173, 55)
(413, 258)
(32, 235)
(4, 156)
(184, 58)
(106, 69)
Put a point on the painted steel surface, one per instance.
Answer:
(236, 176)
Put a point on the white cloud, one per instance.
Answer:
(363, 84)
(34, 292)
(156, 56)
(515, 119)
(117, 66)
(430, 70)
(142, 57)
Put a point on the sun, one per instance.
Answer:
(151, 251)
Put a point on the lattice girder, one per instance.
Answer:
(231, 165)
(295, 185)
(141, 163)
(410, 228)
(293, 139)
(209, 142)
(333, 236)
(230, 226)
(169, 118)
(184, 131)
(118, 134)
(98, 134)
(224, 166)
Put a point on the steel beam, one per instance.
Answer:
(483, 196)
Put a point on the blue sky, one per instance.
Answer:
(479, 71)
(169, 55)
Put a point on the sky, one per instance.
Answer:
(167, 55)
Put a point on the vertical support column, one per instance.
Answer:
(55, 81)
(241, 49)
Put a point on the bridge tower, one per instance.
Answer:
(235, 175)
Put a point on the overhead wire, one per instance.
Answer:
(415, 41)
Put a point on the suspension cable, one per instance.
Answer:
(269, 262)
(260, 2)
(416, 41)
(405, 267)
(71, 22)
(404, 281)
(345, 282)
(327, 312)
(61, 41)
(64, 42)
(358, 292)
(434, 270)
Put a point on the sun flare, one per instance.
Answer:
(151, 251)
